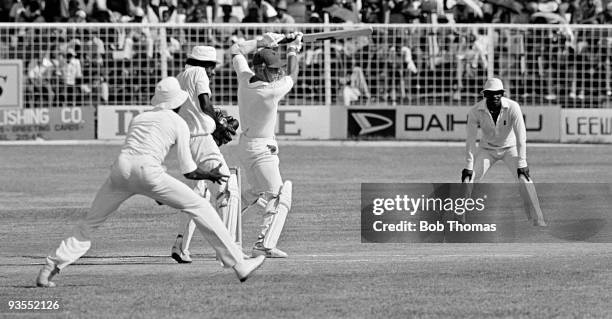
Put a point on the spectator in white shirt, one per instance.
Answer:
(71, 73)
(38, 76)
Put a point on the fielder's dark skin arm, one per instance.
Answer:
(206, 105)
(213, 175)
(198, 174)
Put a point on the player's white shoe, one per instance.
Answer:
(48, 271)
(245, 268)
(181, 256)
(260, 250)
(539, 223)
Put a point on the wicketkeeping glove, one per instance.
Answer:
(466, 173)
(523, 171)
(226, 127)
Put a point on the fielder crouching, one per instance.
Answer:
(139, 170)
(504, 137)
(259, 93)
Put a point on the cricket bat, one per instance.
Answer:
(331, 35)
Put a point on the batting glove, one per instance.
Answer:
(523, 171)
(270, 40)
(296, 44)
(466, 173)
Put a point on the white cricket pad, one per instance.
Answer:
(229, 204)
(277, 209)
(530, 199)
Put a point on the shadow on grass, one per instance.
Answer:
(577, 229)
(114, 260)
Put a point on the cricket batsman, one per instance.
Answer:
(504, 137)
(259, 91)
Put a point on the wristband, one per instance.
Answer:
(292, 53)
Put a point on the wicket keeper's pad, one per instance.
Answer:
(530, 199)
(229, 206)
(278, 207)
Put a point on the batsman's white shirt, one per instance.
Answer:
(258, 149)
(258, 101)
(152, 134)
(508, 132)
(195, 81)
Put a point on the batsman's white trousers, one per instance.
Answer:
(131, 175)
(260, 163)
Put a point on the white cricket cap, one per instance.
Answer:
(168, 94)
(493, 84)
(204, 53)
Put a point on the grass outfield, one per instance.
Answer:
(330, 273)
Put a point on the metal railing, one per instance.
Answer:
(416, 64)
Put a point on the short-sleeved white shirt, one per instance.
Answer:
(72, 71)
(195, 81)
(154, 133)
(258, 101)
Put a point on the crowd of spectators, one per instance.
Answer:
(301, 11)
(396, 64)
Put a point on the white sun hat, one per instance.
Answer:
(168, 94)
(493, 84)
(204, 53)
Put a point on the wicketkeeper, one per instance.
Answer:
(504, 138)
(209, 128)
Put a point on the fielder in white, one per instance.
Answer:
(259, 92)
(139, 170)
(201, 119)
(504, 137)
